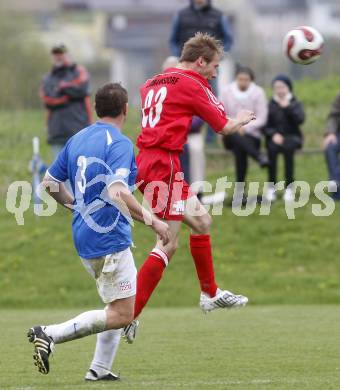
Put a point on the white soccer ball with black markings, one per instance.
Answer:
(303, 45)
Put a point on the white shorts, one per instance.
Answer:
(115, 275)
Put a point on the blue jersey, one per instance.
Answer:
(92, 160)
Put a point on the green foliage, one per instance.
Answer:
(317, 97)
(315, 92)
(23, 62)
(276, 348)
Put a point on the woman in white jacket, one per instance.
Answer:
(242, 94)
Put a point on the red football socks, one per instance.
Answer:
(148, 277)
(200, 247)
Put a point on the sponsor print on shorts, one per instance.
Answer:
(125, 286)
(178, 208)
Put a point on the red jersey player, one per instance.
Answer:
(169, 101)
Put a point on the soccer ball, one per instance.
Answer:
(303, 45)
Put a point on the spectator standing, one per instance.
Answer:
(283, 132)
(65, 94)
(244, 94)
(201, 16)
(332, 145)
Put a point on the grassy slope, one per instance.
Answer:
(285, 347)
(271, 259)
(317, 96)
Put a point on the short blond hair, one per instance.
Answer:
(201, 45)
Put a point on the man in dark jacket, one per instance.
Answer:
(65, 94)
(201, 16)
(332, 145)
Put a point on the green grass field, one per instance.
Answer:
(285, 339)
(271, 347)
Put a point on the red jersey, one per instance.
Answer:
(169, 101)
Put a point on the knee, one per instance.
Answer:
(171, 248)
(174, 245)
(124, 319)
(127, 318)
(289, 153)
(272, 153)
(203, 224)
(331, 149)
(119, 318)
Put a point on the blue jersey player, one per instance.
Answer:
(100, 164)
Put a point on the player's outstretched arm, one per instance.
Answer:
(58, 192)
(234, 125)
(128, 204)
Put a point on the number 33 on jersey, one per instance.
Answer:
(169, 101)
(152, 115)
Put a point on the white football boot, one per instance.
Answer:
(93, 376)
(223, 299)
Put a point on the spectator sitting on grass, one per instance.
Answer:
(244, 94)
(283, 132)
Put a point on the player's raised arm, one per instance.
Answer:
(127, 203)
(242, 119)
(209, 108)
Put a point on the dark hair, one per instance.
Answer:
(60, 48)
(285, 79)
(245, 70)
(110, 100)
(201, 45)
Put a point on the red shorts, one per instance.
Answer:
(162, 183)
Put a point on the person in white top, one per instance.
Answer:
(244, 93)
